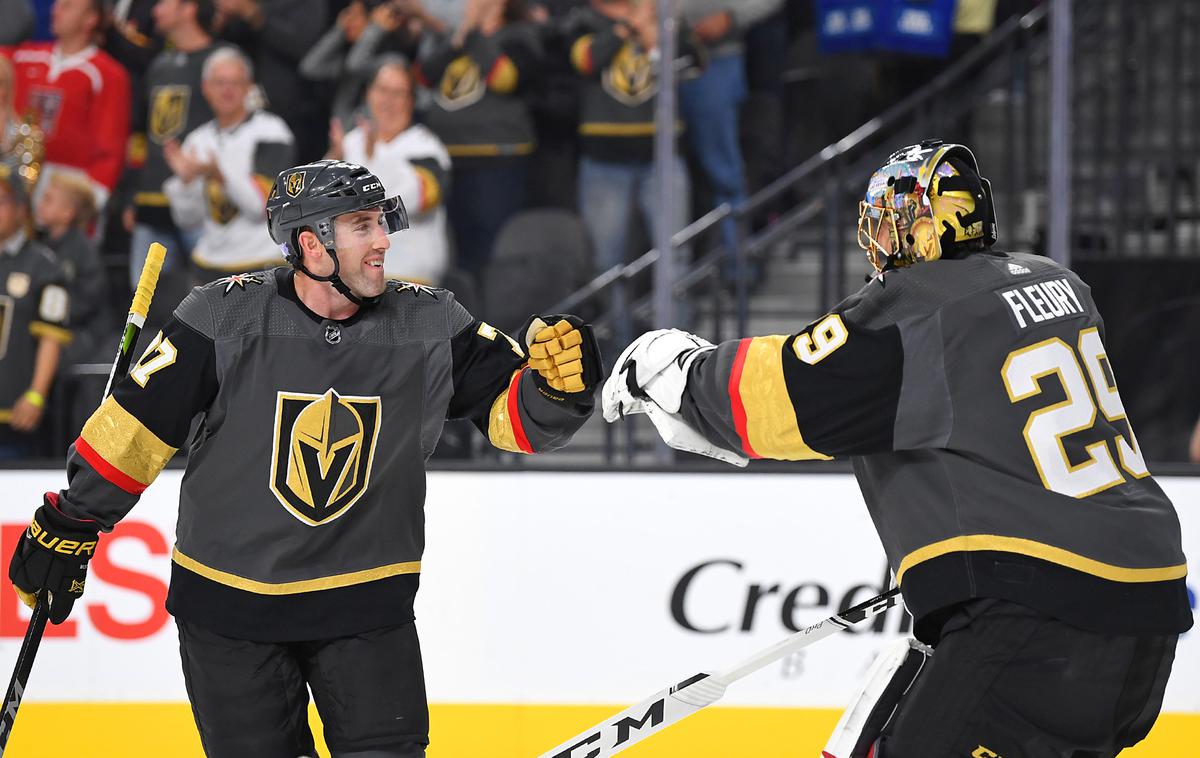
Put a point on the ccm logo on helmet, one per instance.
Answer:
(372, 187)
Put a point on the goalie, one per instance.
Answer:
(972, 390)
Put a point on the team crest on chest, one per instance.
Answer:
(323, 450)
(168, 111)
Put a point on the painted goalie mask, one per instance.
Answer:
(930, 202)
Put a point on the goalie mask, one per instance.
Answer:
(309, 197)
(929, 202)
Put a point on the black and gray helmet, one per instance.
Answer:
(312, 195)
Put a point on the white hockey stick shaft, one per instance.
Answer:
(681, 700)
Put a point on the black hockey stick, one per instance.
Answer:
(681, 700)
(37, 623)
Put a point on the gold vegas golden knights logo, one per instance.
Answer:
(295, 184)
(629, 79)
(323, 451)
(168, 112)
(462, 84)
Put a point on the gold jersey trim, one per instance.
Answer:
(59, 334)
(607, 129)
(151, 200)
(293, 588)
(125, 443)
(1033, 549)
(771, 427)
(479, 151)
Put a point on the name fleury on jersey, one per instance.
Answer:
(1042, 302)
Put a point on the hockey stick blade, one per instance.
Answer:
(681, 700)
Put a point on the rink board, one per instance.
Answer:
(548, 601)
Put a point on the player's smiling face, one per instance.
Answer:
(361, 241)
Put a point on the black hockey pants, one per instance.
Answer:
(250, 699)
(1008, 682)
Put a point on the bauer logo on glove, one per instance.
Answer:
(563, 352)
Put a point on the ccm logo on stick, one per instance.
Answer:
(624, 728)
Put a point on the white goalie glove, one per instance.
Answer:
(650, 377)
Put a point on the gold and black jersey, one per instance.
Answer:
(619, 87)
(987, 433)
(174, 108)
(34, 305)
(478, 107)
(301, 508)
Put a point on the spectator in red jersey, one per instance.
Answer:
(78, 95)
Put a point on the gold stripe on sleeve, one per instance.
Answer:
(125, 443)
(770, 416)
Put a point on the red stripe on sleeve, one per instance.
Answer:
(514, 414)
(110, 472)
(735, 397)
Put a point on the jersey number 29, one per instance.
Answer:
(1047, 428)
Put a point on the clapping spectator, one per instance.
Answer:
(478, 75)
(224, 171)
(78, 94)
(411, 162)
(34, 302)
(276, 34)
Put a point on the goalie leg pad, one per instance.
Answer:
(887, 680)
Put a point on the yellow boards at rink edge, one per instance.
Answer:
(538, 620)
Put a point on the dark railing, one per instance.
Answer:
(820, 199)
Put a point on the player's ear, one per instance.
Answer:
(309, 243)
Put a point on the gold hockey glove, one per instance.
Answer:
(564, 352)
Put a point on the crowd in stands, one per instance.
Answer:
(137, 121)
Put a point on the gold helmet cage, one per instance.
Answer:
(928, 201)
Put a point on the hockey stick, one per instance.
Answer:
(37, 622)
(679, 701)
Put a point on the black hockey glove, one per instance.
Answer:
(564, 353)
(53, 555)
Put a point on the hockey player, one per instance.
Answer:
(972, 391)
(320, 390)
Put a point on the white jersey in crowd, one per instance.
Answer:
(415, 166)
(232, 209)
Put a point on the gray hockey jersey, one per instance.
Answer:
(987, 434)
(301, 509)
